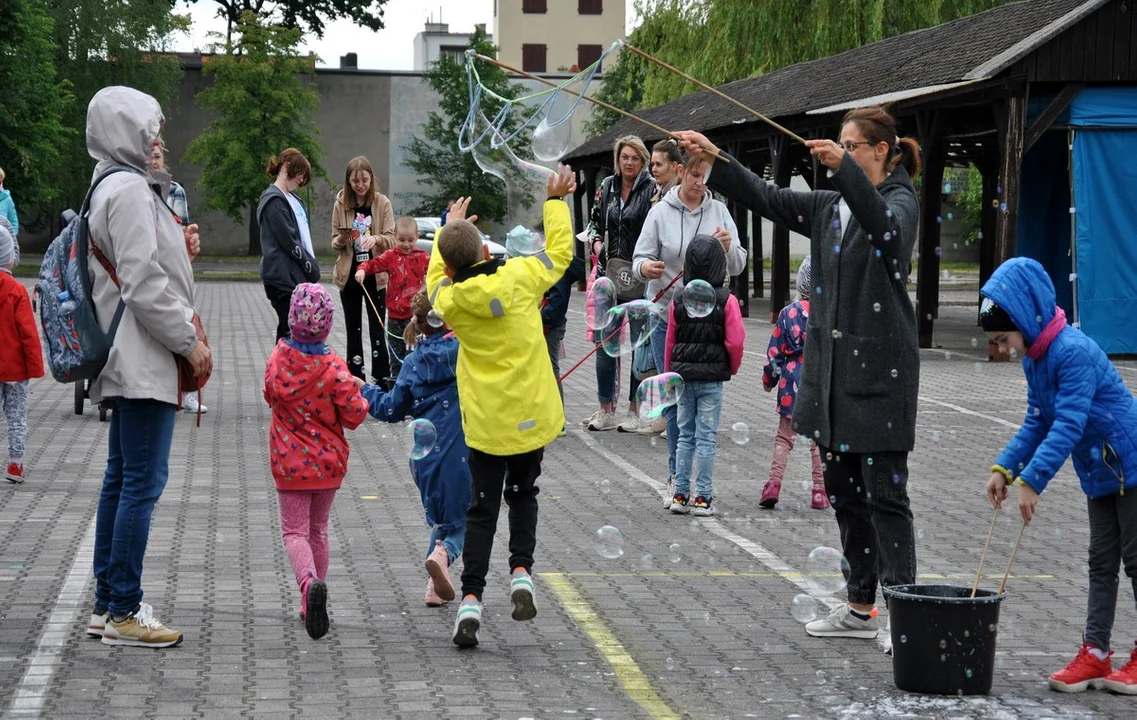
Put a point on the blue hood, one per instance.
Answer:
(1022, 288)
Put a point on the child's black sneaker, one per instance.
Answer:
(679, 504)
(704, 506)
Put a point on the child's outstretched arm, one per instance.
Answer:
(546, 268)
(438, 283)
(393, 406)
(735, 334)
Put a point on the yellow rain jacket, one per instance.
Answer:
(506, 386)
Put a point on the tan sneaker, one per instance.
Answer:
(141, 629)
(654, 428)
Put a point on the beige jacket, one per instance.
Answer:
(382, 227)
(131, 225)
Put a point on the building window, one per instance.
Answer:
(457, 53)
(533, 58)
(588, 54)
(591, 7)
(533, 6)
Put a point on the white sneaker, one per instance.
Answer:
(467, 623)
(670, 494)
(97, 625)
(588, 420)
(842, 623)
(190, 404)
(603, 421)
(653, 428)
(631, 424)
(664, 433)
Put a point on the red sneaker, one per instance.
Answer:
(15, 473)
(770, 493)
(1086, 671)
(1124, 681)
(820, 500)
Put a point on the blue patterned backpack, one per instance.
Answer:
(77, 347)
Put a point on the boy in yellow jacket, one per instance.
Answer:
(506, 388)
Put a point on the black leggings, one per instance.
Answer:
(281, 301)
(352, 299)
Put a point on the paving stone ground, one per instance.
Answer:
(709, 636)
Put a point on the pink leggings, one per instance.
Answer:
(304, 524)
(783, 444)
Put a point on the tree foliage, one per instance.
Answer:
(33, 136)
(444, 170)
(263, 102)
(308, 16)
(719, 41)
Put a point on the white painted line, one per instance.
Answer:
(965, 411)
(30, 696)
(774, 563)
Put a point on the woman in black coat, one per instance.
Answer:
(861, 369)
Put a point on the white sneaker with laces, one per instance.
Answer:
(653, 428)
(603, 421)
(631, 424)
(842, 623)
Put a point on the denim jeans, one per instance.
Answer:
(869, 494)
(608, 367)
(452, 540)
(1113, 543)
(138, 465)
(671, 414)
(700, 407)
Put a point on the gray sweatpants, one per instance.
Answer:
(14, 399)
(1113, 541)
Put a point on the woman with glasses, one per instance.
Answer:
(860, 373)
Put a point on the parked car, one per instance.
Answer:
(428, 228)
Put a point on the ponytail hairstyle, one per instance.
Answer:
(669, 148)
(296, 162)
(421, 309)
(878, 125)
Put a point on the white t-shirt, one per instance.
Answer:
(302, 221)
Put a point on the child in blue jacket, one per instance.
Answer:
(427, 387)
(1078, 407)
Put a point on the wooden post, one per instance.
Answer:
(579, 249)
(756, 244)
(1012, 120)
(587, 200)
(928, 273)
(741, 282)
(988, 217)
(780, 151)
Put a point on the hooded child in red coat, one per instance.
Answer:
(22, 358)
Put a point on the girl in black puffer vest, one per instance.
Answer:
(705, 350)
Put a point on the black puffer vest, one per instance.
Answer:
(623, 224)
(700, 353)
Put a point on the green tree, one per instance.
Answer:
(32, 131)
(306, 15)
(263, 99)
(108, 42)
(694, 35)
(434, 154)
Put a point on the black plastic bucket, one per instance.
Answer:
(943, 640)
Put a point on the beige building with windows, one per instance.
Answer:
(556, 35)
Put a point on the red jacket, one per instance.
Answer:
(407, 272)
(313, 398)
(22, 356)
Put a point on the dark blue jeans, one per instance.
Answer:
(138, 465)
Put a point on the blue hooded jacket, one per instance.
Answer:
(427, 387)
(1077, 403)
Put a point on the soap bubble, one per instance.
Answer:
(699, 298)
(804, 608)
(551, 141)
(740, 433)
(876, 307)
(629, 326)
(523, 180)
(522, 242)
(609, 542)
(647, 562)
(658, 393)
(674, 553)
(422, 436)
(601, 299)
(433, 319)
(356, 360)
(605, 486)
(553, 136)
(825, 570)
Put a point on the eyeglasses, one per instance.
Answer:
(850, 146)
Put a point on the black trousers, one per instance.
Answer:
(495, 476)
(281, 301)
(354, 305)
(869, 494)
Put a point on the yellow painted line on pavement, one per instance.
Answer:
(368, 497)
(634, 682)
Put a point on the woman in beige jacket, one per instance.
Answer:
(363, 226)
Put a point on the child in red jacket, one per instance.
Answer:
(313, 398)
(406, 266)
(22, 358)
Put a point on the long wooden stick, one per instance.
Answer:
(983, 557)
(1012, 562)
(708, 88)
(593, 100)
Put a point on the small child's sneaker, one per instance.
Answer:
(820, 500)
(438, 565)
(523, 594)
(1084, 671)
(97, 624)
(467, 622)
(669, 495)
(432, 598)
(16, 473)
(770, 492)
(704, 507)
(1124, 680)
(316, 608)
(679, 504)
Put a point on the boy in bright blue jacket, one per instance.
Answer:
(1078, 407)
(427, 387)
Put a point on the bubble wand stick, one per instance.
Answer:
(983, 557)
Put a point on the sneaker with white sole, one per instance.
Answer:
(97, 624)
(663, 434)
(843, 623)
(703, 507)
(467, 622)
(191, 405)
(604, 420)
(653, 428)
(669, 495)
(141, 629)
(679, 504)
(588, 420)
(523, 594)
(630, 424)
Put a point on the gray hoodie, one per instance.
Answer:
(669, 227)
